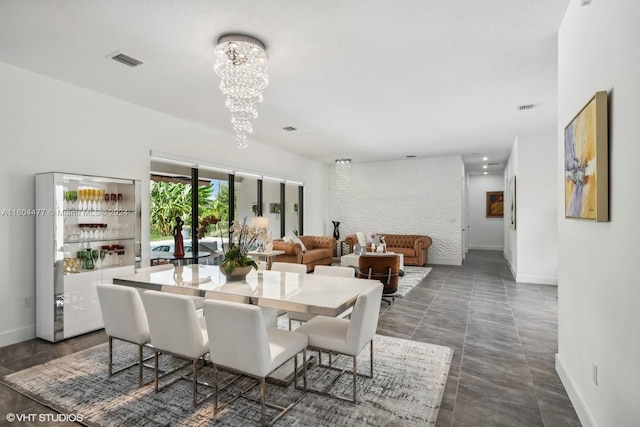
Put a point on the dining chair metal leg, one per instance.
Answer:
(215, 389)
(195, 382)
(355, 377)
(263, 390)
(141, 363)
(110, 356)
(371, 358)
(155, 370)
(304, 369)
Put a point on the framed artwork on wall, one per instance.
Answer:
(586, 158)
(495, 204)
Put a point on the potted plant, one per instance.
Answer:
(237, 264)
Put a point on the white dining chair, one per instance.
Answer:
(124, 319)
(334, 270)
(289, 267)
(320, 270)
(346, 336)
(240, 341)
(286, 267)
(176, 329)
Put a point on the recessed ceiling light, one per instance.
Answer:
(485, 158)
(484, 166)
(485, 172)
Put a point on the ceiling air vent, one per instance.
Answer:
(289, 128)
(126, 60)
(494, 164)
(525, 107)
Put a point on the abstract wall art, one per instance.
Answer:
(586, 168)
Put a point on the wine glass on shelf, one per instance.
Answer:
(95, 254)
(120, 255)
(112, 199)
(82, 193)
(81, 257)
(73, 197)
(103, 254)
(67, 199)
(110, 252)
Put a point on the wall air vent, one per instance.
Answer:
(289, 128)
(126, 60)
(525, 107)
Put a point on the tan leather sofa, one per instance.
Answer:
(319, 251)
(414, 248)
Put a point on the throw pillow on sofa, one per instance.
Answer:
(295, 239)
(362, 240)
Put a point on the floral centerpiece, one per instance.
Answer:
(242, 238)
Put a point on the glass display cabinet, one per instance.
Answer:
(87, 232)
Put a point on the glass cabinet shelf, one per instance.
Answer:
(90, 215)
(115, 239)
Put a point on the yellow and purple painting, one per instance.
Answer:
(580, 165)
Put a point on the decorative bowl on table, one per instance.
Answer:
(238, 273)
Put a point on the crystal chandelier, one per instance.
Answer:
(241, 62)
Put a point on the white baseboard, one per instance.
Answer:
(513, 270)
(17, 335)
(539, 280)
(578, 403)
(487, 247)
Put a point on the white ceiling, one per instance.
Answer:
(369, 80)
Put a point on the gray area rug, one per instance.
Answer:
(407, 388)
(412, 276)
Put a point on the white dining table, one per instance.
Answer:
(307, 293)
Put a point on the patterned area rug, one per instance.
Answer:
(412, 276)
(407, 388)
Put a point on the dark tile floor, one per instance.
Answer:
(504, 336)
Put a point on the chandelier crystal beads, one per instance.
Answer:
(241, 62)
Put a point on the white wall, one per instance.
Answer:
(484, 233)
(598, 288)
(47, 125)
(532, 248)
(511, 234)
(537, 227)
(413, 196)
